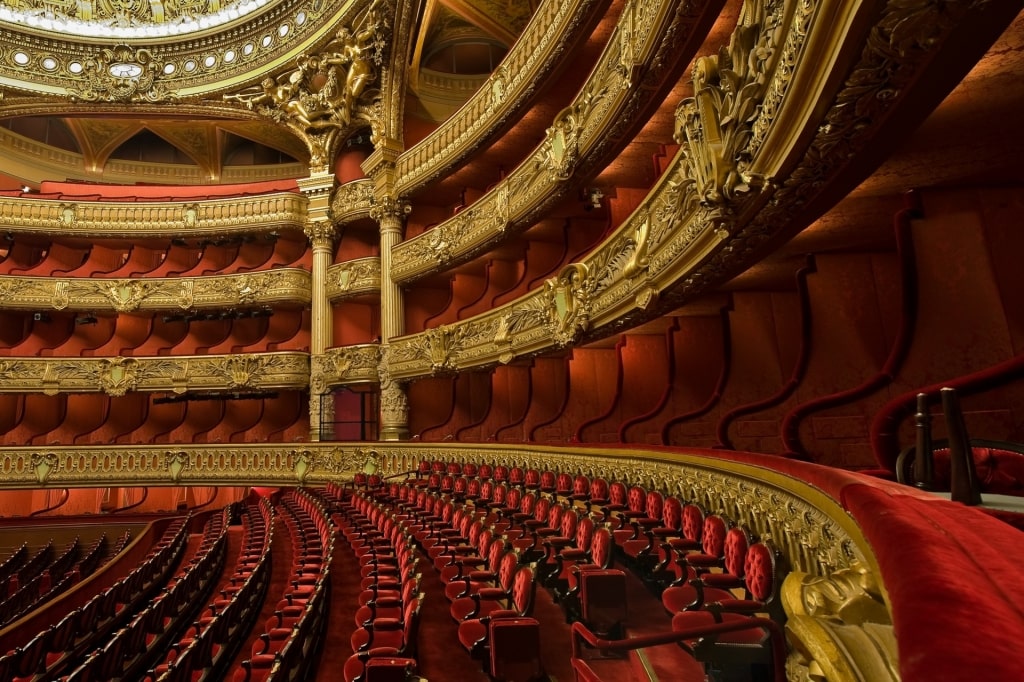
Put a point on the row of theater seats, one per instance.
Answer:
(234, 256)
(711, 573)
(63, 646)
(46, 576)
(287, 647)
(131, 649)
(384, 644)
(209, 643)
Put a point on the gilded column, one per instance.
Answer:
(389, 212)
(320, 230)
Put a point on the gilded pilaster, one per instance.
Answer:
(319, 229)
(389, 212)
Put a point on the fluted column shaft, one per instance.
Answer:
(319, 230)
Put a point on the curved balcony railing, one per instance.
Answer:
(582, 134)
(540, 48)
(175, 374)
(283, 285)
(353, 278)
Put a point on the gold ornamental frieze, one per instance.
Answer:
(353, 278)
(142, 219)
(345, 365)
(580, 131)
(119, 375)
(177, 464)
(352, 201)
(542, 45)
(149, 54)
(284, 285)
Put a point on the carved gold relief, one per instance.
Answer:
(141, 219)
(290, 285)
(323, 95)
(351, 201)
(116, 376)
(122, 74)
(354, 277)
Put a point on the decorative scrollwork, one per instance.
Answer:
(122, 74)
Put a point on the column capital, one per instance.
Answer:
(321, 233)
(389, 209)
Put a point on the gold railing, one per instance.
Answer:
(283, 285)
(176, 374)
(538, 50)
(354, 277)
(142, 219)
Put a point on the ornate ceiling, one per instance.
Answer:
(73, 104)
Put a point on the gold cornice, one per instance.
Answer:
(540, 48)
(176, 374)
(345, 365)
(577, 137)
(353, 278)
(320, 20)
(142, 219)
(280, 285)
(352, 201)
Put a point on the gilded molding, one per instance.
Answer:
(142, 219)
(283, 285)
(344, 365)
(352, 201)
(577, 138)
(175, 464)
(353, 278)
(539, 49)
(177, 374)
(191, 64)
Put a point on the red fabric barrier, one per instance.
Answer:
(953, 575)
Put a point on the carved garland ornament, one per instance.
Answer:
(122, 74)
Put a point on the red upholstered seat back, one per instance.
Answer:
(523, 589)
(527, 504)
(447, 483)
(637, 499)
(434, 481)
(541, 509)
(469, 469)
(617, 493)
(473, 487)
(563, 484)
(581, 485)
(516, 476)
(584, 534)
(514, 498)
(454, 468)
(484, 542)
(567, 526)
(655, 504)
(424, 467)
(475, 529)
(484, 471)
(532, 479)
(507, 570)
(601, 547)
(759, 567)
(672, 513)
(737, 540)
(461, 486)
(500, 494)
(713, 540)
(500, 473)
(693, 522)
(494, 554)
(547, 480)
(555, 516)
(487, 490)
(438, 467)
